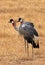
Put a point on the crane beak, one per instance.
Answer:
(9, 22)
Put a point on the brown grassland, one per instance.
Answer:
(12, 51)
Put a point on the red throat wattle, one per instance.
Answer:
(13, 24)
(21, 22)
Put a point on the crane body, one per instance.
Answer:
(28, 31)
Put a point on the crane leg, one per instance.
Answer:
(25, 45)
(27, 49)
(32, 49)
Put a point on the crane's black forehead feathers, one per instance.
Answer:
(11, 20)
(19, 19)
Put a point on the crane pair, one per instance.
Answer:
(29, 33)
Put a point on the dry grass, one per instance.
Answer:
(11, 47)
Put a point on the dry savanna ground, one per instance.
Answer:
(12, 51)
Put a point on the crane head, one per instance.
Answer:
(11, 21)
(20, 20)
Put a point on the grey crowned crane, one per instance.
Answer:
(28, 31)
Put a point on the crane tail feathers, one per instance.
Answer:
(34, 45)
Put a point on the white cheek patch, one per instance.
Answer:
(21, 20)
(12, 22)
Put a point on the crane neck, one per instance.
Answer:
(14, 25)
